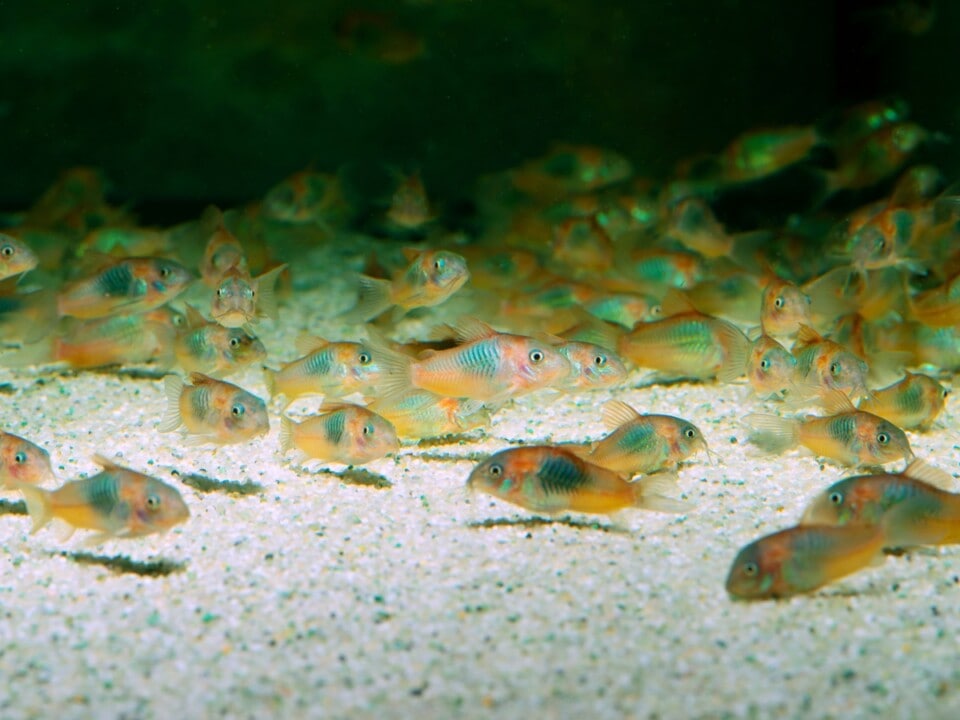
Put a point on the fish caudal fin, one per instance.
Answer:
(736, 353)
(38, 505)
(270, 380)
(373, 300)
(286, 433)
(772, 433)
(172, 388)
(649, 493)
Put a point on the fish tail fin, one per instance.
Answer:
(737, 352)
(649, 493)
(172, 388)
(40, 352)
(286, 433)
(772, 433)
(374, 298)
(38, 505)
(397, 379)
(266, 287)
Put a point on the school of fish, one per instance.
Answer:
(575, 274)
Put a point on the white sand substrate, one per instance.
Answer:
(326, 597)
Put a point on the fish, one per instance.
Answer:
(913, 403)
(15, 257)
(215, 350)
(22, 462)
(213, 410)
(342, 433)
(662, 269)
(802, 559)
(117, 502)
(644, 444)
(625, 309)
(306, 198)
(916, 505)
(223, 250)
(849, 437)
(549, 480)
(431, 277)
(240, 300)
(875, 157)
(582, 245)
(688, 344)
(770, 368)
(488, 366)
(784, 307)
(592, 366)
(824, 366)
(571, 169)
(331, 369)
(938, 307)
(693, 223)
(409, 210)
(421, 415)
(759, 153)
(126, 286)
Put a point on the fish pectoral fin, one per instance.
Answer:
(172, 388)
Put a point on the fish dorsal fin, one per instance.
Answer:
(329, 406)
(806, 335)
(675, 302)
(617, 413)
(470, 329)
(549, 338)
(197, 379)
(411, 254)
(195, 318)
(307, 344)
(920, 470)
(836, 401)
(106, 463)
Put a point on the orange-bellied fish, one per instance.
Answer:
(801, 559)
(759, 153)
(693, 223)
(409, 209)
(770, 368)
(15, 257)
(875, 157)
(213, 349)
(643, 444)
(688, 344)
(662, 269)
(213, 410)
(431, 278)
(850, 437)
(914, 506)
(22, 462)
(241, 300)
(420, 414)
(550, 480)
(489, 366)
(342, 433)
(117, 501)
(222, 252)
(913, 403)
(825, 366)
(331, 369)
(783, 308)
(569, 169)
(123, 287)
(626, 309)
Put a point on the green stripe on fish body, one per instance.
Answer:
(561, 476)
(335, 425)
(481, 359)
(843, 428)
(100, 491)
(200, 401)
(319, 363)
(117, 281)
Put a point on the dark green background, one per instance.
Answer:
(187, 102)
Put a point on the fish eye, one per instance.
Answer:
(536, 356)
(689, 433)
(778, 303)
(439, 264)
(496, 470)
(765, 364)
(153, 501)
(7, 251)
(238, 410)
(656, 310)
(164, 271)
(600, 360)
(234, 342)
(220, 292)
(364, 358)
(367, 429)
(20, 458)
(750, 569)
(835, 498)
(883, 438)
(835, 368)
